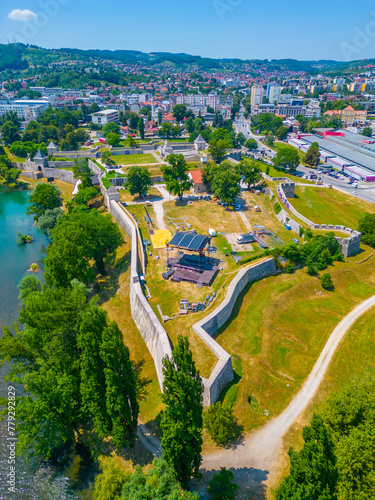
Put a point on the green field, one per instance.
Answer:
(278, 329)
(329, 206)
(134, 159)
(355, 357)
(282, 145)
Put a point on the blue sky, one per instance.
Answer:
(335, 29)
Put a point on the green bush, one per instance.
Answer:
(326, 281)
(277, 207)
(221, 485)
(220, 423)
(289, 269)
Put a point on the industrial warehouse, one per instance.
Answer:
(342, 150)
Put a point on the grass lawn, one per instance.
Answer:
(329, 206)
(13, 158)
(141, 159)
(273, 172)
(355, 357)
(126, 196)
(279, 146)
(278, 329)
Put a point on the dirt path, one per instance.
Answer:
(254, 460)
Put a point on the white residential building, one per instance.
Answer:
(257, 93)
(105, 116)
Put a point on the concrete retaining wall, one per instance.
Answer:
(223, 371)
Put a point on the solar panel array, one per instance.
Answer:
(189, 241)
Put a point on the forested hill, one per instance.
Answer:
(11, 57)
(19, 56)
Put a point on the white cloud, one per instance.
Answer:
(22, 15)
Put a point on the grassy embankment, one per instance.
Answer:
(329, 206)
(141, 159)
(355, 357)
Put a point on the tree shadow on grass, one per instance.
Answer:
(250, 481)
(141, 382)
(107, 285)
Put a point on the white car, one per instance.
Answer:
(355, 193)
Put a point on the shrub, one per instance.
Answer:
(289, 269)
(220, 423)
(308, 234)
(311, 270)
(267, 170)
(277, 207)
(221, 485)
(326, 281)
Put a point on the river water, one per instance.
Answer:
(15, 259)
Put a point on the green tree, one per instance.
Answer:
(141, 128)
(107, 158)
(109, 483)
(27, 285)
(10, 132)
(367, 227)
(48, 220)
(241, 139)
(326, 281)
(165, 130)
(281, 133)
(85, 194)
(287, 158)
(111, 127)
(313, 155)
(160, 117)
(138, 180)
(189, 125)
(179, 112)
(81, 170)
(113, 139)
(367, 131)
(159, 482)
(79, 239)
(218, 149)
(269, 140)
(313, 471)
(222, 486)
(350, 416)
(120, 383)
(181, 421)
(175, 175)
(220, 423)
(133, 121)
(226, 184)
(44, 197)
(250, 172)
(251, 144)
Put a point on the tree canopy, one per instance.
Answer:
(182, 418)
(287, 158)
(138, 180)
(44, 197)
(175, 175)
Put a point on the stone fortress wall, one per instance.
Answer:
(349, 245)
(152, 330)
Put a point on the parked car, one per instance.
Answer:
(295, 241)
